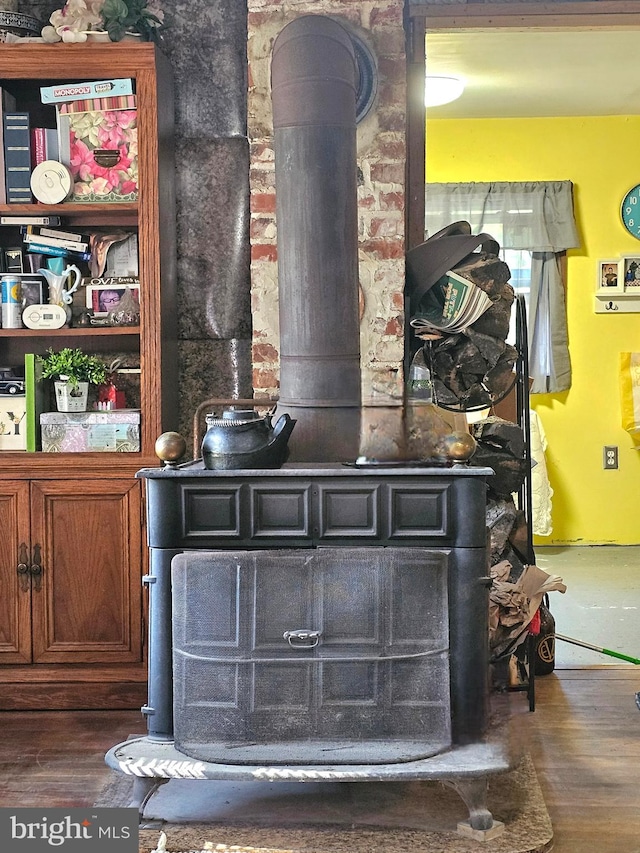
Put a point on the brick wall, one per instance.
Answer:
(381, 163)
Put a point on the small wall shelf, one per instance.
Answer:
(620, 303)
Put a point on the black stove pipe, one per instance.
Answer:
(314, 82)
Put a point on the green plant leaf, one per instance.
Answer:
(75, 364)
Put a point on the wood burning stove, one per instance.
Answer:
(318, 622)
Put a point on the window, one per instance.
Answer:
(533, 222)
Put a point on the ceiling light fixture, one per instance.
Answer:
(440, 90)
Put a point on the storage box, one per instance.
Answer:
(91, 432)
(93, 136)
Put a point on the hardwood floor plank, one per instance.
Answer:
(584, 739)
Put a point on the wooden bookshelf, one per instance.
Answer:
(74, 552)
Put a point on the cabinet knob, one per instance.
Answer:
(36, 568)
(36, 574)
(23, 568)
(23, 574)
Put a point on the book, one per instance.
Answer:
(38, 146)
(120, 102)
(58, 252)
(35, 401)
(29, 220)
(13, 416)
(51, 145)
(451, 305)
(61, 242)
(17, 157)
(80, 91)
(45, 231)
(63, 137)
(7, 104)
(58, 234)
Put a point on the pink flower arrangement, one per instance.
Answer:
(113, 130)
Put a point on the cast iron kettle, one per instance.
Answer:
(241, 438)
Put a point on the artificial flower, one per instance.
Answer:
(76, 18)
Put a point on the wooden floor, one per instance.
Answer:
(584, 737)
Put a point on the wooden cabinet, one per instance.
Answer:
(72, 552)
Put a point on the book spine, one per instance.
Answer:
(63, 126)
(51, 147)
(82, 91)
(57, 234)
(29, 220)
(58, 251)
(17, 157)
(7, 103)
(74, 245)
(29, 393)
(38, 146)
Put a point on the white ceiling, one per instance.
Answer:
(538, 73)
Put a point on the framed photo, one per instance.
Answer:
(610, 277)
(631, 273)
(31, 289)
(102, 298)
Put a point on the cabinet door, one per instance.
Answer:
(86, 605)
(15, 598)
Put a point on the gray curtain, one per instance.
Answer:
(532, 215)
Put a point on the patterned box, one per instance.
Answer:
(103, 155)
(91, 432)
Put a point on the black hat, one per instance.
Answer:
(443, 251)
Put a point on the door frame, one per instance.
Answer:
(482, 16)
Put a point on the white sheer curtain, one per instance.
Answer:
(536, 216)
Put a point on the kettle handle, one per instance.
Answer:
(281, 423)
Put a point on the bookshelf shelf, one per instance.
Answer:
(94, 331)
(124, 214)
(69, 209)
(79, 516)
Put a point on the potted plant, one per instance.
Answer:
(72, 371)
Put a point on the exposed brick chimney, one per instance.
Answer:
(381, 155)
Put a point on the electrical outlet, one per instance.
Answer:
(610, 457)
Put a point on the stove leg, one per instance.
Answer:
(144, 787)
(481, 824)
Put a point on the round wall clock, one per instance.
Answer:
(630, 211)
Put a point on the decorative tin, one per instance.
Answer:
(91, 432)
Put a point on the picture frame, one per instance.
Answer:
(610, 277)
(630, 274)
(32, 290)
(101, 298)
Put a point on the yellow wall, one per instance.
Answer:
(600, 156)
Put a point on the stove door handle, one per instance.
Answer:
(302, 638)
